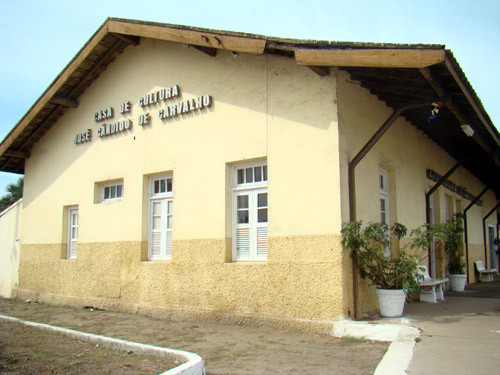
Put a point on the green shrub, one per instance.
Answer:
(368, 249)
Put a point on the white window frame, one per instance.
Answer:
(117, 185)
(72, 232)
(161, 197)
(384, 196)
(256, 232)
(383, 182)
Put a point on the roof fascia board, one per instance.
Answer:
(470, 99)
(372, 58)
(194, 37)
(52, 89)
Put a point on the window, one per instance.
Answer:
(384, 198)
(250, 212)
(111, 191)
(431, 210)
(160, 218)
(72, 236)
(384, 204)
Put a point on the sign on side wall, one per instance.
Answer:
(460, 190)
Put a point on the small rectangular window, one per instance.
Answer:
(111, 191)
(251, 175)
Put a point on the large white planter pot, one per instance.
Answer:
(457, 282)
(392, 302)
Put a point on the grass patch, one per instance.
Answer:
(355, 339)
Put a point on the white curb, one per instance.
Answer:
(402, 337)
(194, 364)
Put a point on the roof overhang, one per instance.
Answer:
(397, 74)
(370, 57)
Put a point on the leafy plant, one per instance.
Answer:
(450, 235)
(14, 193)
(368, 247)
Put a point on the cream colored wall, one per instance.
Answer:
(263, 107)
(10, 220)
(406, 154)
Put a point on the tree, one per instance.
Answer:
(14, 193)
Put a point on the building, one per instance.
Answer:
(176, 169)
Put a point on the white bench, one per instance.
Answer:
(485, 275)
(431, 290)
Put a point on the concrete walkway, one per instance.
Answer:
(460, 335)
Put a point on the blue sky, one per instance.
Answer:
(38, 38)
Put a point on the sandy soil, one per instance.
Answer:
(226, 349)
(29, 350)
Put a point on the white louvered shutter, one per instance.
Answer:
(260, 201)
(156, 225)
(251, 225)
(160, 241)
(168, 228)
(243, 225)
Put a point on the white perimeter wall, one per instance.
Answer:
(10, 220)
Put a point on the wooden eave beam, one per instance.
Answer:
(129, 39)
(194, 37)
(375, 58)
(65, 102)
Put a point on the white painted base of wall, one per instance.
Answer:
(402, 337)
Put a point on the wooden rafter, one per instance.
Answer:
(129, 39)
(462, 119)
(32, 135)
(40, 126)
(65, 102)
(17, 154)
(96, 66)
(319, 70)
(212, 52)
(438, 87)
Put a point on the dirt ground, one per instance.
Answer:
(29, 350)
(226, 349)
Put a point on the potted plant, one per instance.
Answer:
(450, 235)
(396, 276)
